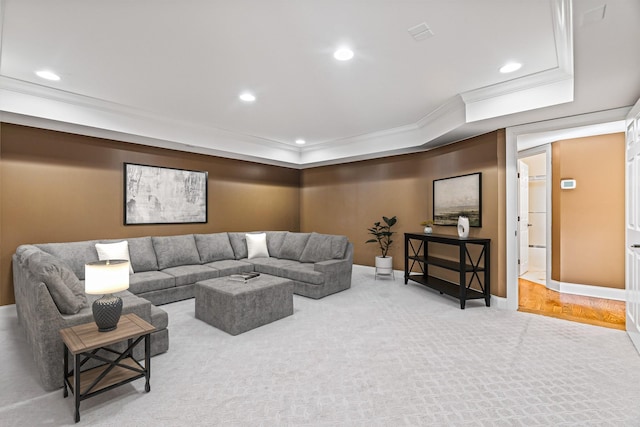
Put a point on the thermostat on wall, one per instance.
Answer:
(567, 184)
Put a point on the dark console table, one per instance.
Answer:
(416, 250)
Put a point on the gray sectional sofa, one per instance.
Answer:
(48, 279)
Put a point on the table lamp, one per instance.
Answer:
(105, 278)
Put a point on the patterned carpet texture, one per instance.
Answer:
(379, 354)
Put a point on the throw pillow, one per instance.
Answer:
(65, 288)
(257, 246)
(120, 250)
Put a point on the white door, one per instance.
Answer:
(523, 215)
(632, 261)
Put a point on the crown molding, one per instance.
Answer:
(403, 139)
(543, 89)
(102, 106)
(24, 102)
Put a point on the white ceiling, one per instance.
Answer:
(168, 73)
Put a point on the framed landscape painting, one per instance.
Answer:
(458, 196)
(159, 195)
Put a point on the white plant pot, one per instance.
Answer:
(384, 265)
(428, 230)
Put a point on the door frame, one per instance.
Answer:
(523, 137)
(522, 216)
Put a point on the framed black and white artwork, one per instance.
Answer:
(458, 196)
(160, 195)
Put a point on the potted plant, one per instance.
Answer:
(382, 236)
(427, 226)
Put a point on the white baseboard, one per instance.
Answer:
(499, 302)
(587, 290)
(10, 309)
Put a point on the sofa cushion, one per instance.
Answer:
(146, 281)
(322, 247)
(239, 244)
(64, 286)
(74, 254)
(135, 304)
(274, 242)
(189, 274)
(270, 265)
(142, 254)
(117, 250)
(172, 251)
(293, 245)
(230, 266)
(302, 273)
(214, 247)
(159, 318)
(257, 245)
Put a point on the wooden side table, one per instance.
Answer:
(85, 342)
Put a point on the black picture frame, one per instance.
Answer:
(163, 195)
(458, 196)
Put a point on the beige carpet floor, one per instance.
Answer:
(379, 354)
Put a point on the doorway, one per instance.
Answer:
(537, 292)
(519, 141)
(533, 210)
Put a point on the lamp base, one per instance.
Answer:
(106, 312)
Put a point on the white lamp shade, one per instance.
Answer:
(106, 277)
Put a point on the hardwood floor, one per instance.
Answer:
(537, 299)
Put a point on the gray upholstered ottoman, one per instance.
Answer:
(236, 307)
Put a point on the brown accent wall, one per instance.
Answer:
(59, 187)
(348, 198)
(588, 226)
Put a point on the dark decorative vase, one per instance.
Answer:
(106, 312)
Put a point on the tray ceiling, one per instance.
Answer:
(169, 73)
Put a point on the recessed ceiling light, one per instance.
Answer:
(343, 54)
(510, 67)
(247, 97)
(48, 75)
(300, 141)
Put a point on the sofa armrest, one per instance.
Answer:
(337, 271)
(345, 263)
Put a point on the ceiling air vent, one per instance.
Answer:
(420, 31)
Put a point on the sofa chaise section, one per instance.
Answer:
(318, 264)
(42, 320)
